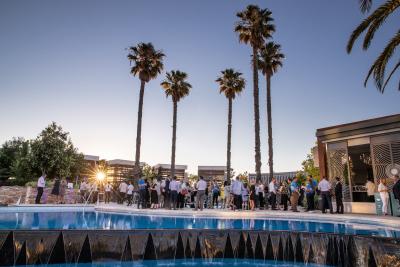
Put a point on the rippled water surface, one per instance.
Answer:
(101, 220)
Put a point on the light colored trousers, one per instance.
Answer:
(385, 202)
(200, 199)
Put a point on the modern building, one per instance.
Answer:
(90, 166)
(357, 152)
(164, 170)
(211, 173)
(119, 169)
(280, 176)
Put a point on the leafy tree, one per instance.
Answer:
(230, 83)
(370, 25)
(147, 64)
(14, 156)
(309, 167)
(270, 59)
(54, 153)
(175, 86)
(148, 172)
(254, 26)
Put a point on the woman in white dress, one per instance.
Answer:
(383, 191)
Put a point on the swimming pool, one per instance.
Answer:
(47, 220)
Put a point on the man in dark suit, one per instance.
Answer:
(396, 188)
(339, 196)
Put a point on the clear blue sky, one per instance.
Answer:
(65, 61)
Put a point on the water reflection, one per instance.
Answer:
(99, 220)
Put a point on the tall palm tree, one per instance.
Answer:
(270, 59)
(147, 64)
(230, 83)
(175, 86)
(371, 24)
(254, 26)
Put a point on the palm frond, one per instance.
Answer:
(390, 76)
(378, 14)
(231, 83)
(270, 58)
(175, 85)
(379, 66)
(387, 9)
(365, 5)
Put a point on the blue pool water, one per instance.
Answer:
(189, 263)
(101, 220)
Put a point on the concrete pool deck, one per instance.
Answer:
(389, 221)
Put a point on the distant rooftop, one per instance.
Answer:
(91, 157)
(123, 162)
(168, 166)
(211, 168)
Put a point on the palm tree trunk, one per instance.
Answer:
(228, 150)
(269, 118)
(173, 139)
(256, 116)
(139, 130)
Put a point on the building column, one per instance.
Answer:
(322, 159)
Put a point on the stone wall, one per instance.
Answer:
(10, 195)
(23, 247)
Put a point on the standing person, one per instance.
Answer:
(325, 188)
(370, 185)
(56, 189)
(41, 183)
(215, 194)
(236, 189)
(396, 188)
(309, 190)
(63, 188)
(201, 190)
(261, 195)
(167, 194)
(157, 187)
(384, 193)
(174, 186)
(272, 194)
(122, 192)
(253, 195)
(107, 190)
(83, 188)
(245, 197)
(129, 193)
(284, 195)
(142, 193)
(339, 196)
(154, 196)
(294, 197)
(227, 195)
(314, 184)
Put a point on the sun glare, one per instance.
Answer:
(100, 176)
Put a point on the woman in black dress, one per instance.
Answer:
(252, 196)
(56, 189)
(154, 196)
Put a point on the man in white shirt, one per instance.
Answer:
(107, 189)
(174, 187)
(129, 193)
(41, 183)
(201, 189)
(272, 194)
(236, 189)
(325, 188)
(122, 192)
(260, 195)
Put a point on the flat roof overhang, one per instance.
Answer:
(362, 128)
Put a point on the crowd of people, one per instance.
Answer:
(237, 195)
